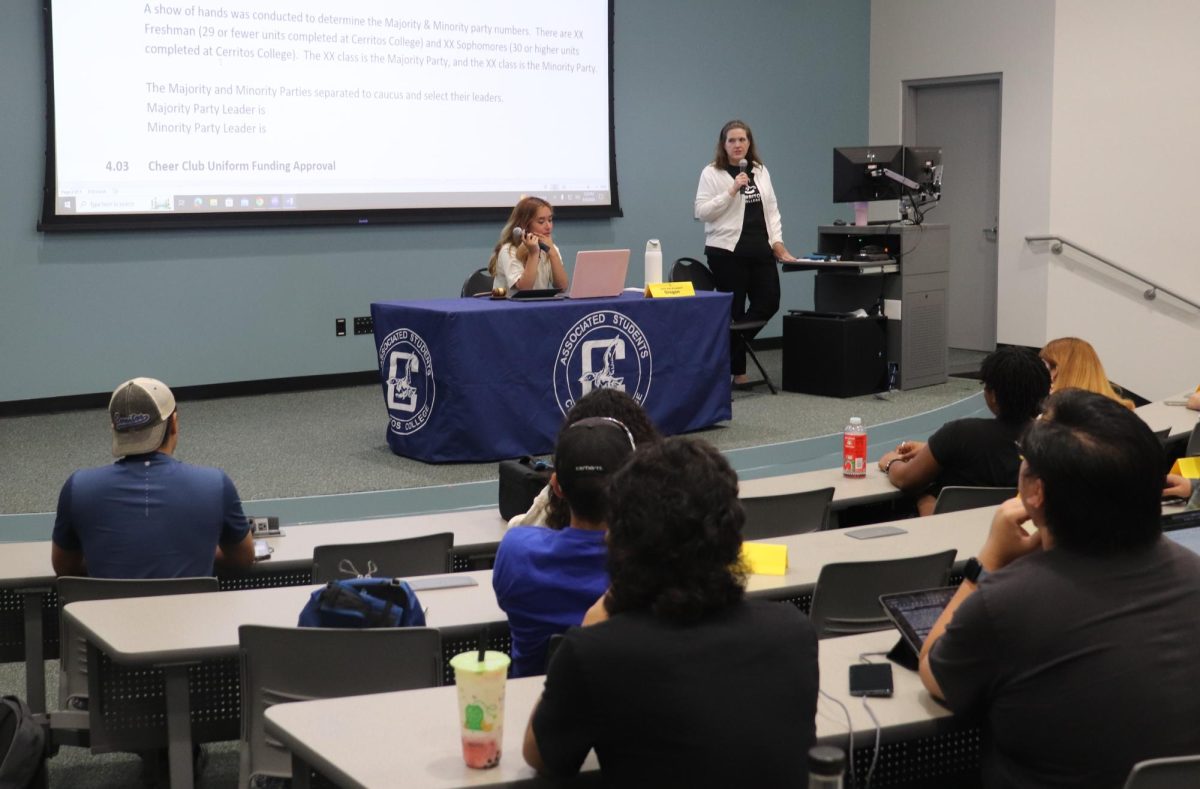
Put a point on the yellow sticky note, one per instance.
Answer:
(664, 290)
(1187, 467)
(765, 558)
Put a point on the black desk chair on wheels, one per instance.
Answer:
(695, 272)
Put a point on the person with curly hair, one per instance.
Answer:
(972, 451)
(677, 679)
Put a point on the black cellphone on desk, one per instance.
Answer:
(871, 679)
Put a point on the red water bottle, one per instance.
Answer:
(854, 449)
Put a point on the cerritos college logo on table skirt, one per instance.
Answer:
(407, 366)
(604, 350)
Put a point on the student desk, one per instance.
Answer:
(411, 738)
(29, 604)
(194, 639)
(1180, 420)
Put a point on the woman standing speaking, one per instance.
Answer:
(743, 234)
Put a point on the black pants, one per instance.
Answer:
(753, 278)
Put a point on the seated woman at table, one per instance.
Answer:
(545, 579)
(528, 260)
(978, 452)
(677, 679)
(1073, 364)
(550, 509)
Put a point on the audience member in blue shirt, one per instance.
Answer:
(546, 579)
(148, 515)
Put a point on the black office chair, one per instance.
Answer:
(787, 513)
(1193, 444)
(480, 281)
(965, 497)
(695, 272)
(846, 597)
(428, 555)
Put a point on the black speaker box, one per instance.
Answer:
(834, 355)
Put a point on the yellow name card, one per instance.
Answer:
(763, 558)
(1187, 467)
(668, 290)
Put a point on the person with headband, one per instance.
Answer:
(545, 579)
(525, 257)
(743, 232)
(549, 509)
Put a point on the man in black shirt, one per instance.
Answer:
(676, 679)
(1076, 641)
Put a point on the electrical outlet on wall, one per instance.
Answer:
(339, 327)
(364, 325)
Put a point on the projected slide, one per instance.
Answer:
(216, 107)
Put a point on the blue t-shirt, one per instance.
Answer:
(148, 516)
(546, 580)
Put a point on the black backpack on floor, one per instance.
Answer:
(22, 746)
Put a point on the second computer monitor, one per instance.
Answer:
(858, 173)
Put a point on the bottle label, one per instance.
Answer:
(854, 454)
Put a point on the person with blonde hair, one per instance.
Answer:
(529, 261)
(1073, 364)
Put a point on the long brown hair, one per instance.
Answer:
(522, 215)
(721, 159)
(1075, 365)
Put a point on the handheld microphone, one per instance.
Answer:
(518, 235)
(742, 165)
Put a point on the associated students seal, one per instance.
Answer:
(409, 386)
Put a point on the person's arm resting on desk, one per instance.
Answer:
(235, 547)
(959, 657)
(911, 466)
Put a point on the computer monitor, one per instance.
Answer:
(858, 173)
(924, 165)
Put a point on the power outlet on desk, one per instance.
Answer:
(364, 325)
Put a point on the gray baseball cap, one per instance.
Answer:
(139, 410)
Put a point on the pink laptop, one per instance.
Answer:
(599, 273)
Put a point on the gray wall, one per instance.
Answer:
(80, 313)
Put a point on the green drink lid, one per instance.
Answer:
(469, 661)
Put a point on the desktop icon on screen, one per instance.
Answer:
(259, 202)
(244, 202)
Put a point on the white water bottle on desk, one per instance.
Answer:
(854, 449)
(653, 261)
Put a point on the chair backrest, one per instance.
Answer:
(1163, 434)
(787, 513)
(1193, 444)
(72, 674)
(282, 664)
(480, 281)
(693, 271)
(426, 555)
(1169, 773)
(964, 497)
(846, 598)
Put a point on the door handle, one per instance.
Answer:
(990, 232)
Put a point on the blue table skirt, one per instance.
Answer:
(476, 379)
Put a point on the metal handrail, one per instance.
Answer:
(1150, 294)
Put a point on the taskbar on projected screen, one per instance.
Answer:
(76, 205)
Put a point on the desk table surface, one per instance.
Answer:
(352, 740)
(1179, 419)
